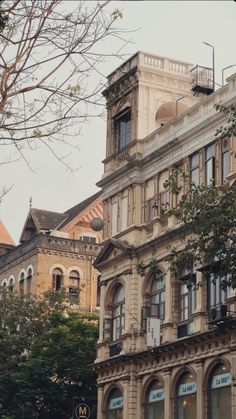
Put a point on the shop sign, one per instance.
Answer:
(153, 331)
(221, 380)
(156, 395)
(116, 403)
(187, 388)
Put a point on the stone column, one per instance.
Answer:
(126, 399)
(200, 397)
(168, 322)
(100, 395)
(168, 398)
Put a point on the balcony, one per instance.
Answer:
(43, 241)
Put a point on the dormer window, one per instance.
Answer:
(123, 129)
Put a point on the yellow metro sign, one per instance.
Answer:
(82, 411)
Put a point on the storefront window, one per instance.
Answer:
(220, 394)
(187, 397)
(115, 405)
(155, 401)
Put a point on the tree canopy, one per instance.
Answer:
(45, 354)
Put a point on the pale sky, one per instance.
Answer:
(174, 29)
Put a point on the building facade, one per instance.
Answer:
(57, 250)
(160, 355)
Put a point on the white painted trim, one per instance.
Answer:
(21, 271)
(9, 279)
(59, 266)
(75, 268)
(27, 269)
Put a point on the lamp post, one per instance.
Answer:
(213, 62)
(223, 69)
(176, 105)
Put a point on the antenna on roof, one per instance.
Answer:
(30, 202)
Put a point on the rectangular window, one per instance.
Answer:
(164, 191)
(217, 294)
(194, 169)
(210, 164)
(124, 212)
(225, 159)
(150, 210)
(114, 218)
(225, 166)
(123, 130)
(187, 301)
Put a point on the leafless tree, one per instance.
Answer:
(47, 56)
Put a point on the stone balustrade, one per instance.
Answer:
(142, 59)
(43, 241)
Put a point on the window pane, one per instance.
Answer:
(195, 176)
(194, 161)
(210, 171)
(225, 166)
(123, 130)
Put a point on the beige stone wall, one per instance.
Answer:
(137, 172)
(43, 263)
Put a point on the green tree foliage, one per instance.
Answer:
(208, 215)
(44, 356)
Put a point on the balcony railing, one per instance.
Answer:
(53, 243)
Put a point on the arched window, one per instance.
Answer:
(114, 408)
(11, 285)
(74, 280)
(4, 284)
(154, 406)
(98, 291)
(22, 284)
(157, 297)
(220, 393)
(29, 281)
(118, 312)
(187, 397)
(57, 277)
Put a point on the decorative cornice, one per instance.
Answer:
(49, 244)
(169, 347)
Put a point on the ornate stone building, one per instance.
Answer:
(161, 352)
(57, 250)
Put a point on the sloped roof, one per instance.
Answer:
(77, 209)
(39, 220)
(46, 220)
(5, 237)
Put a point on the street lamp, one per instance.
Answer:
(223, 69)
(176, 104)
(213, 62)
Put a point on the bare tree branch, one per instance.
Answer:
(48, 59)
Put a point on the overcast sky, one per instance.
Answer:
(174, 29)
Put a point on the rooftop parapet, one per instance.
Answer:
(43, 241)
(143, 59)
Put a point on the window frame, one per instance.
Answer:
(74, 290)
(193, 168)
(190, 296)
(159, 292)
(210, 390)
(122, 140)
(211, 158)
(55, 276)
